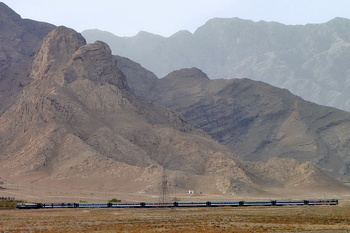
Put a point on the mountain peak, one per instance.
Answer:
(187, 74)
(148, 36)
(96, 63)
(339, 19)
(56, 50)
(181, 34)
(65, 57)
(7, 14)
(338, 23)
(222, 22)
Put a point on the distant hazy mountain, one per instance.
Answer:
(312, 61)
(254, 119)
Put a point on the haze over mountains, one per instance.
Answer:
(309, 60)
(82, 120)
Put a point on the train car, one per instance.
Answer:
(192, 204)
(48, 205)
(290, 202)
(57, 205)
(160, 204)
(257, 203)
(92, 205)
(225, 203)
(124, 205)
(323, 202)
(28, 206)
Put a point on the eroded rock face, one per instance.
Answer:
(19, 41)
(65, 57)
(55, 53)
(96, 63)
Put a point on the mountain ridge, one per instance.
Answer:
(309, 60)
(254, 119)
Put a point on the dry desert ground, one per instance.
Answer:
(201, 219)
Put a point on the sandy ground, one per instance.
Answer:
(220, 219)
(35, 193)
(329, 219)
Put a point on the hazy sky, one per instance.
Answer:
(128, 17)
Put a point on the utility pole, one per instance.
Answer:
(164, 188)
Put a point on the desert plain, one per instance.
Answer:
(219, 219)
(329, 219)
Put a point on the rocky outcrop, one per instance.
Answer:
(65, 57)
(55, 53)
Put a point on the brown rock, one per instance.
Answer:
(19, 41)
(78, 119)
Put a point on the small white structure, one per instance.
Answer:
(190, 192)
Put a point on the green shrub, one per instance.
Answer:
(114, 200)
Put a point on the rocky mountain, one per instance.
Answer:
(309, 60)
(19, 41)
(76, 124)
(78, 120)
(254, 119)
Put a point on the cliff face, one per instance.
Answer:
(308, 60)
(19, 41)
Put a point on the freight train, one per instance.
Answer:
(177, 204)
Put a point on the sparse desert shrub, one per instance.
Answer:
(8, 202)
(114, 200)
